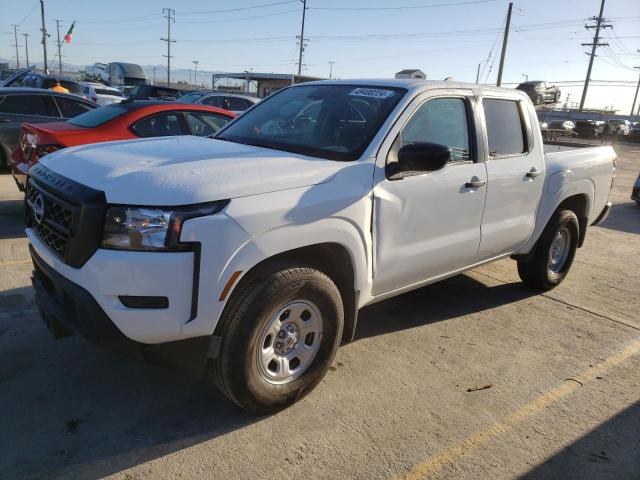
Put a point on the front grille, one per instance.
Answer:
(65, 215)
(54, 227)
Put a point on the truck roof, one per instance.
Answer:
(408, 83)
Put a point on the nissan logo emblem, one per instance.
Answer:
(38, 208)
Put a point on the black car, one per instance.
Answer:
(34, 79)
(540, 92)
(153, 92)
(33, 105)
(589, 128)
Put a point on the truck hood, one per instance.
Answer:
(185, 170)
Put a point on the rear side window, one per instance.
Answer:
(203, 124)
(104, 91)
(160, 125)
(71, 108)
(505, 128)
(37, 105)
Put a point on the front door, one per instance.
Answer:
(428, 224)
(515, 172)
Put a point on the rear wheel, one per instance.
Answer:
(280, 334)
(553, 254)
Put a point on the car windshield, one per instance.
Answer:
(336, 122)
(97, 117)
(191, 97)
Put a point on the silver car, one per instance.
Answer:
(227, 101)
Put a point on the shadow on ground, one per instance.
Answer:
(624, 217)
(610, 451)
(11, 219)
(99, 414)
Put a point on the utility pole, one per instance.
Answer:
(600, 23)
(59, 49)
(26, 46)
(635, 97)
(195, 72)
(331, 62)
(15, 34)
(169, 14)
(301, 37)
(566, 102)
(44, 36)
(478, 73)
(154, 74)
(504, 44)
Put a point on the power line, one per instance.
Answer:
(239, 9)
(403, 7)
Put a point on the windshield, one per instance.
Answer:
(336, 122)
(97, 117)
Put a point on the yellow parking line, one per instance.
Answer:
(435, 463)
(15, 262)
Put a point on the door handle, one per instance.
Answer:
(475, 183)
(534, 172)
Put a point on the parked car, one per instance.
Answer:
(15, 78)
(621, 127)
(18, 105)
(565, 125)
(589, 128)
(45, 81)
(540, 92)
(101, 94)
(117, 121)
(635, 193)
(634, 135)
(253, 251)
(234, 103)
(153, 92)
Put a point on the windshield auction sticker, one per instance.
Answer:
(372, 93)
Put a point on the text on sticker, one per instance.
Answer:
(372, 92)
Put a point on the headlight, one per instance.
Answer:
(151, 228)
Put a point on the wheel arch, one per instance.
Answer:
(331, 258)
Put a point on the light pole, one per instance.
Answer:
(195, 72)
(526, 77)
(331, 62)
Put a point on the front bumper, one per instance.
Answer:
(603, 215)
(66, 308)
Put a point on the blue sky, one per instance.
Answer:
(365, 38)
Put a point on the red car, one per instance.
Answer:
(118, 121)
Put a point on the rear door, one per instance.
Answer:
(515, 169)
(164, 124)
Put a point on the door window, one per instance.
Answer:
(160, 125)
(71, 108)
(203, 124)
(237, 104)
(37, 105)
(214, 101)
(443, 121)
(505, 128)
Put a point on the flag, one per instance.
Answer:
(67, 37)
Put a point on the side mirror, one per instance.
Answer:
(422, 157)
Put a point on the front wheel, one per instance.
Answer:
(553, 254)
(280, 334)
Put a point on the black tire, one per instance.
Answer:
(538, 273)
(538, 100)
(236, 373)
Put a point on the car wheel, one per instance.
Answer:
(553, 253)
(557, 97)
(538, 99)
(280, 333)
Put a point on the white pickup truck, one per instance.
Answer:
(246, 257)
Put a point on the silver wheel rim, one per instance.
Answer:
(559, 251)
(289, 342)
